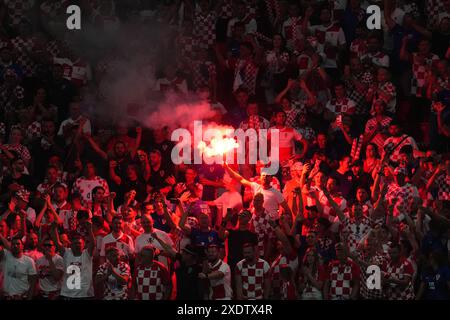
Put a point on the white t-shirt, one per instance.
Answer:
(46, 281)
(229, 199)
(272, 199)
(146, 239)
(225, 281)
(33, 254)
(124, 243)
(84, 262)
(16, 272)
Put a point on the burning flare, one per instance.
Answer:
(220, 144)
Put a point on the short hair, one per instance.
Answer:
(98, 221)
(94, 191)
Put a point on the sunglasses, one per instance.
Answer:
(48, 245)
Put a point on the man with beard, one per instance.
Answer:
(160, 173)
(252, 275)
(20, 273)
(216, 273)
(117, 238)
(396, 141)
(77, 261)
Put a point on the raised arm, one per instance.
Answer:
(236, 176)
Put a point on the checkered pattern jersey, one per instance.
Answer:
(17, 10)
(219, 289)
(433, 8)
(405, 195)
(277, 62)
(205, 28)
(379, 139)
(291, 31)
(186, 45)
(359, 97)
(379, 259)
(23, 46)
(400, 271)
(292, 116)
(420, 73)
(354, 232)
(341, 277)
(20, 149)
(308, 133)
(263, 230)
(393, 141)
(275, 277)
(114, 291)
(388, 93)
(204, 73)
(343, 106)
(253, 278)
(245, 75)
(443, 183)
(151, 281)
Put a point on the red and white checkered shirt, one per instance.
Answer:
(359, 97)
(204, 73)
(399, 271)
(420, 72)
(151, 281)
(17, 10)
(292, 31)
(205, 28)
(261, 226)
(245, 75)
(342, 106)
(443, 183)
(114, 290)
(393, 141)
(275, 277)
(405, 196)
(379, 259)
(20, 149)
(186, 45)
(342, 277)
(220, 289)
(386, 92)
(23, 48)
(433, 8)
(380, 137)
(353, 232)
(84, 187)
(253, 277)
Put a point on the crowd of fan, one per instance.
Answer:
(91, 209)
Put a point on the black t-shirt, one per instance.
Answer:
(25, 180)
(236, 238)
(160, 223)
(188, 283)
(158, 177)
(345, 182)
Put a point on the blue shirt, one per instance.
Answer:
(436, 284)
